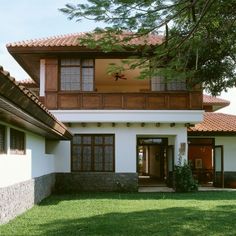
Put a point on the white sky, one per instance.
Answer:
(33, 19)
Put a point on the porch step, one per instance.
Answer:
(155, 189)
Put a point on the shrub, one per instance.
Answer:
(183, 178)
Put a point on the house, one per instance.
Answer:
(211, 146)
(124, 129)
(126, 132)
(32, 142)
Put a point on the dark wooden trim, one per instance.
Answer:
(72, 50)
(2, 139)
(148, 159)
(18, 145)
(211, 133)
(81, 73)
(222, 164)
(212, 143)
(117, 100)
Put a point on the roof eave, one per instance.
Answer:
(24, 105)
(211, 133)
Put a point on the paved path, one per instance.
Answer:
(165, 189)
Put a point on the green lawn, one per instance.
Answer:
(203, 213)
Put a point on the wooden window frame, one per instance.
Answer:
(3, 139)
(81, 73)
(165, 84)
(17, 142)
(92, 145)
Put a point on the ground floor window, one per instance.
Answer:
(2, 139)
(93, 152)
(17, 142)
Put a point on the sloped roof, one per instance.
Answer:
(26, 109)
(214, 102)
(215, 123)
(28, 83)
(29, 52)
(70, 40)
(207, 99)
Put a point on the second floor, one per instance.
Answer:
(70, 76)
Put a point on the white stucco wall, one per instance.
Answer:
(126, 139)
(62, 154)
(229, 144)
(35, 163)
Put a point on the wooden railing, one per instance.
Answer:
(174, 100)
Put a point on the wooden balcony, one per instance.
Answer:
(174, 100)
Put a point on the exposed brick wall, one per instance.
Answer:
(17, 198)
(96, 182)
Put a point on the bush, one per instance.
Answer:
(183, 178)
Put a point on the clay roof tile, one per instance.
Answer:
(216, 122)
(72, 40)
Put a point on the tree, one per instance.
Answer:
(198, 36)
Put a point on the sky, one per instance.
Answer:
(34, 19)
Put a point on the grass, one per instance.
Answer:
(203, 213)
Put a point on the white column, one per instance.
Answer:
(181, 146)
(42, 78)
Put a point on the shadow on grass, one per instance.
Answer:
(222, 195)
(170, 221)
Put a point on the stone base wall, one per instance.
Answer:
(17, 198)
(96, 182)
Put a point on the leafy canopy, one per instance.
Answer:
(199, 36)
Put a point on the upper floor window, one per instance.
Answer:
(158, 83)
(17, 142)
(2, 139)
(77, 74)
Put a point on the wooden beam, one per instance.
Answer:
(172, 124)
(187, 125)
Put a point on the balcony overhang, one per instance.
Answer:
(131, 116)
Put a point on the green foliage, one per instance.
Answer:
(199, 36)
(183, 178)
(162, 214)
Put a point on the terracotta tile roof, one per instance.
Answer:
(215, 122)
(26, 91)
(210, 100)
(72, 40)
(29, 83)
(7, 90)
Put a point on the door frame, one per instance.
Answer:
(164, 144)
(222, 165)
(170, 179)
